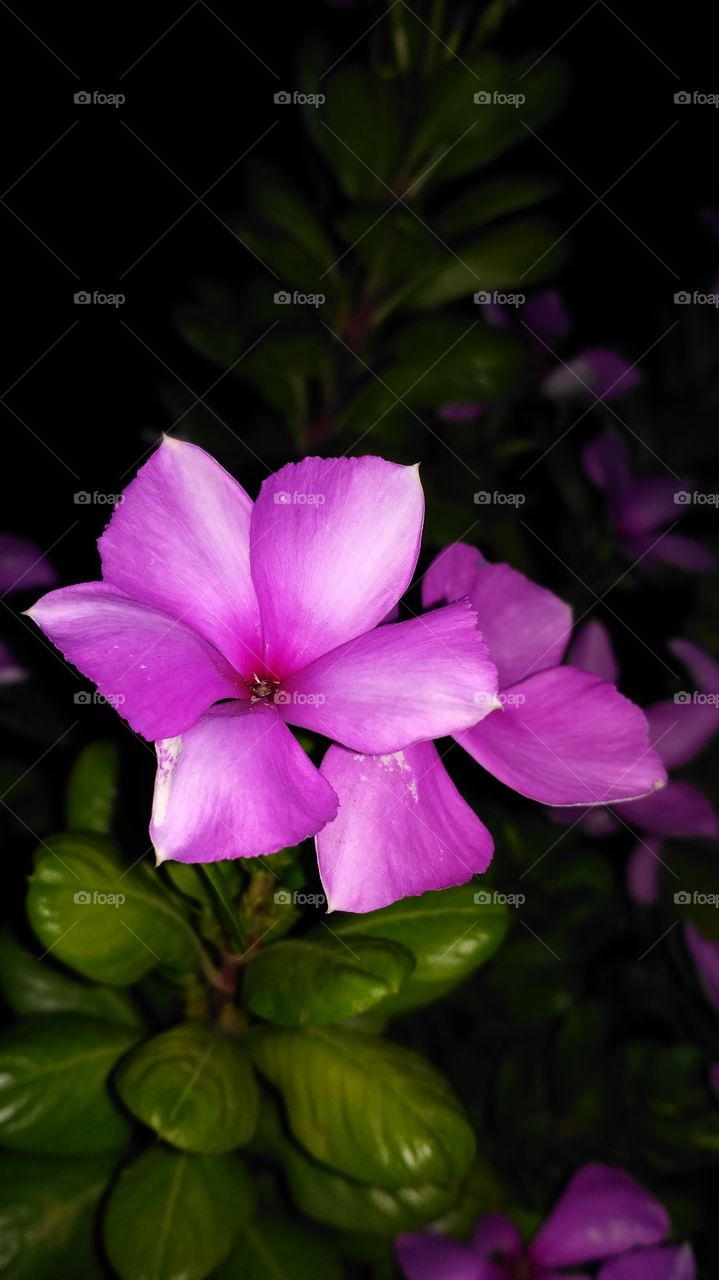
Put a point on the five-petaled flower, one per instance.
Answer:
(218, 623)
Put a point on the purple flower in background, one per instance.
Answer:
(23, 567)
(603, 1216)
(640, 507)
(678, 729)
(218, 623)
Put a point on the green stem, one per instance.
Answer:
(225, 910)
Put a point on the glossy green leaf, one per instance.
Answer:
(54, 1094)
(490, 201)
(174, 1216)
(358, 130)
(109, 921)
(370, 1109)
(512, 257)
(33, 986)
(92, 789)
(316, 980)
(449, 933)
(277, 1248)
(194, 1087)
(47, 1216)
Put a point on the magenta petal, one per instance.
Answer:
(678, 809)
(467, 411)
(606, 462)
(591, 650)
(603, 1211)
(179, 541)
(648, 504)
(705, 955)
(595, 372)
(402, 828)
(495, 1234)
(643, 870)
(673, 1262)
(334, 545)
(399, 684)
(451, 574)
(153, 670)
(684, 553)
(546, 316)
(236, 785)
(23, 567)
(525, 626)
(703, 668)
(679, 730)
(423, 1256)
(10, 669)
(567, 738)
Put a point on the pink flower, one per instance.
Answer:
(22, 567)
(603, 1216)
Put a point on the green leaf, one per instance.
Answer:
(173, 1216)
(312, 981)
(92, 789)
(372, 1110)
(47, 1217)
(490, 201)
(448, 932)
(54, 1096)
(358, 130)
(277, 1248)
(110, 922)
(33, 986)
(194, 1087)
(514, 256)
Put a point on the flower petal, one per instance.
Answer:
(402, 828)
(591, 650)
(179, 541)
(705, 955)
(424, 1256)
(678, 810)
(684, 553)
(399, 684)
(606, 462)
(674, 1262)
(546, 316)
(643, 867)
(155, 671)
(596, 372)
(495, 1234)
(700, 665)
(567, 738)
(237, 785)
(679, 730)
(334, 545)
(525, 626)
(649, 503)
(23, 567)
(602, 1212)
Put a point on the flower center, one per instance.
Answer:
(263, 688)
